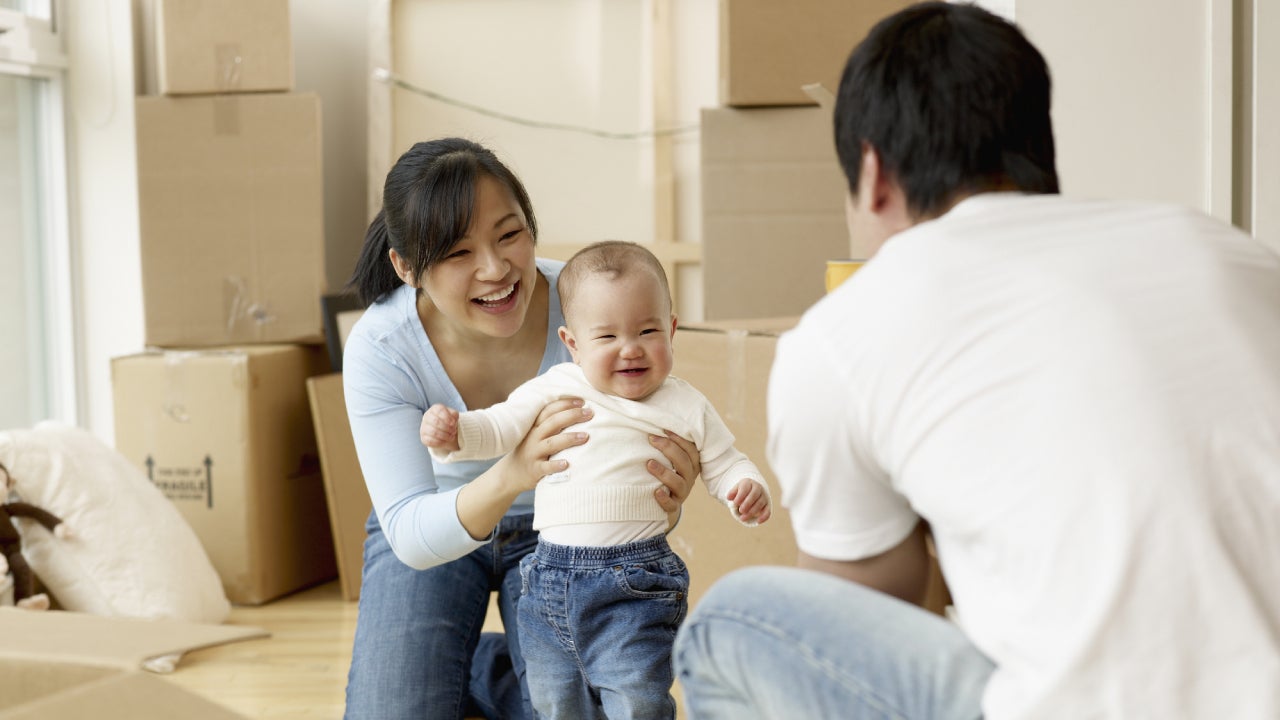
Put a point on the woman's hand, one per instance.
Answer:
(483, 501)
(677, 483)
(531, 460)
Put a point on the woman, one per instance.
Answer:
(459, 312)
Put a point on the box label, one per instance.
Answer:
(183, 483)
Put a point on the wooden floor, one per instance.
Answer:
(301, 670)
(298, 672)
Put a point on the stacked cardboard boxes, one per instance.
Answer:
(230, 187)
(230, 198)
(772, 189)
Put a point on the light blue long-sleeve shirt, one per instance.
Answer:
(391, 375)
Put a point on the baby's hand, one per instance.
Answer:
(750, 501)
(440, 428)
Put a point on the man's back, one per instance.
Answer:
(1083, 399)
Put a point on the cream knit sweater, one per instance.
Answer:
(606, 480)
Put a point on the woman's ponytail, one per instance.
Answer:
(374, 275)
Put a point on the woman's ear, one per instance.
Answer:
(569, 341)
(403, 269)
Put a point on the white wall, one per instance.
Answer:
(579, 62)
(696, 59)
(1138, 110)
(1264, 187)
(330, 44)
(104, 198)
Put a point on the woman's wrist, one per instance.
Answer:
(483, 501)
(509, 477)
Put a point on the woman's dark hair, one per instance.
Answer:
(954, 99)
(427, 203)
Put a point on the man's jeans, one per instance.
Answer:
(597, 625)
(419, 652)
(788, 643)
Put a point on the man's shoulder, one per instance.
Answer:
(995, 213)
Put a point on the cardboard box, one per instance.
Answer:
(202, 47)
(769, 49)
(349, 503)
(231, 213)
(59, 665)
(730, 363)
(772, 210)
(226, 434)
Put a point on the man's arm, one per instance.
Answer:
(902, 571)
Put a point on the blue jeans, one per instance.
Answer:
(786, 643)
(597, 625)
(419, 652)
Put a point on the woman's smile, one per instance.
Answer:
(500, 300)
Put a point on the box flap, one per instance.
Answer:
(132, 695)
(115, 642)
(349, 502)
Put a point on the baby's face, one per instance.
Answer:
(620, 333)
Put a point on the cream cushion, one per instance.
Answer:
(130, 553)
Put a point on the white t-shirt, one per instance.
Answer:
(1083, 400)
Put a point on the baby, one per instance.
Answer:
(604, 593)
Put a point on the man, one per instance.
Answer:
(1079, 400)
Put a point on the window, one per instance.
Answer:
(37, 366)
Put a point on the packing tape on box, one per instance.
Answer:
(241, 307)
(175, 405)
(226, 115)
(176, 382)
(820, 95)
(228, 61)
(736, 349)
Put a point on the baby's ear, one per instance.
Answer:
(569, 341)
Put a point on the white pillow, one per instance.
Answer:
(130, 554)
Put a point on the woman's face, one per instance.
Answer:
(486, 282)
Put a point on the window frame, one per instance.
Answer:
(31, 47)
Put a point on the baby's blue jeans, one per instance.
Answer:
(597, 626)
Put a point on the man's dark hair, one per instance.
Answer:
(954, 99)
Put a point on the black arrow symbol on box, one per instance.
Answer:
(208, 479)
